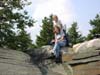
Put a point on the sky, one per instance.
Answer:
(68, 11)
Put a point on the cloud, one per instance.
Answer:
(62, 8)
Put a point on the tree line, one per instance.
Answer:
(14, 20)
(74, 35)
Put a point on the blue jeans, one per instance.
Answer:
(57, 48)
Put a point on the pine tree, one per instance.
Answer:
(23, 41)
(14, 19)
(46, 34)
(74, 35)
(95, 23)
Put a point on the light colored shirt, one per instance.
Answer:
(60, 35)
(58, 23)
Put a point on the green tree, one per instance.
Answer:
(13, 22)
(95, 23)
(74, 35)
(46, 34)
(23, 41)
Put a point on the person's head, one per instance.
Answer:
(55, 18)
(56, 30)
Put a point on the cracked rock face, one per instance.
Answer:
(16, 63)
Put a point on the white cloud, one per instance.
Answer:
(62, 8)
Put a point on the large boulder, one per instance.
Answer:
(75, 47)
(16, 63)
(94, 43)
(86, 46)
(81, 47)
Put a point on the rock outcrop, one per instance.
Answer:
(18, 63)
(83, 47)
(82, 59)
